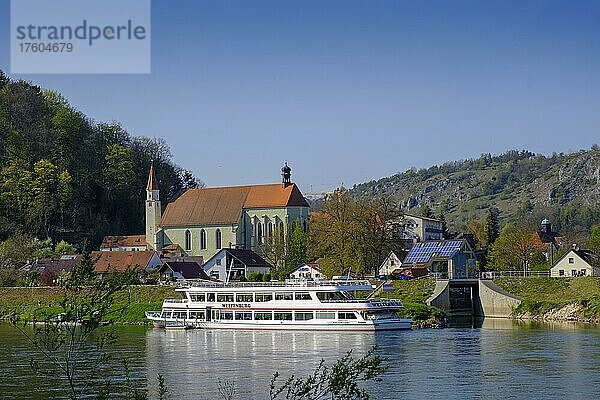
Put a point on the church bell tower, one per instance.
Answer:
(153, 211)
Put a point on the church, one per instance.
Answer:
(203, 221)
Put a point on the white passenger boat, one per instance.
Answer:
(289, 305)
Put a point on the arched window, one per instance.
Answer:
(281, 231)
(269, 229)
(188, 240)
(259, 233)
(202, 239)
(304, 227)
(218, 239)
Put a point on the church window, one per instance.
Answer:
(259, 233)
(281, 231)
(188, 240)
(218, 239)
(269, 229)
(304, 227)
(202, 239)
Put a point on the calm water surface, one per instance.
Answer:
(501, 360)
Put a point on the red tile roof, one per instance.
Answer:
(123, 241)
(223, 206)
(121, 260)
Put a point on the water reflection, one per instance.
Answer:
(502, 359)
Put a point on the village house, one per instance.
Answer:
(445, 258)
(391, 263)
(576, 262)
(50, 271)
(124, 243)
(106, 261)
(235, 264)
(202, 222)
(307, 271)
(175, 271)
(547, 241)
(418, 228)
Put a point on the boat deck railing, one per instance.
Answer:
(386, 302)
(288, 283)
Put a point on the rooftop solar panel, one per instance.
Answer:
(422, 252)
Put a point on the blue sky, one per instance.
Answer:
(348, 91)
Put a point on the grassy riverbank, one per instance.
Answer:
(27, 302)
(413, 294)
(544, 296)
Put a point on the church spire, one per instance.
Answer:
(286, 175)
(152, 182)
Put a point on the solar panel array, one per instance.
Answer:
(422, 252)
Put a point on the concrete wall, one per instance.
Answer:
(496, 302)
(440, 297)
(489, 300)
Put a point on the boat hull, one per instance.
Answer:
(368, 326)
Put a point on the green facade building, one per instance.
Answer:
(203, 221)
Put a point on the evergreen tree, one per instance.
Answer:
(445, 232)
(298, 248)
(426, 211)
(594, 242)
(492, 227)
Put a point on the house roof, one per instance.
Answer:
(243, 256)
(152, 181)
(123, 241)
(248, 258)
(64, 263)
(224, 205)
(187, 269)
(121, 260)
(313, 265)
(421, 217)
(423, 252)
(586, 255)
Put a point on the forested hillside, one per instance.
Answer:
(524, 186)
(64, 176)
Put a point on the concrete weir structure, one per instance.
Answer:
(478, 297)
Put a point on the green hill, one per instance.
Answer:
(65, 176)
(521, 184)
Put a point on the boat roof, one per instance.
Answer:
(289, 284)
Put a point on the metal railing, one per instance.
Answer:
(288, 283)
(514, 274)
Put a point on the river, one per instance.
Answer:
(502, 359)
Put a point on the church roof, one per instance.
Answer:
(224, 205)
(152, 181)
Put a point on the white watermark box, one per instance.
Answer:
(80, 36)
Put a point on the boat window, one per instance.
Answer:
(197, 296)
(196, 314)
(380, 315)
(303, 316)
(328, 296)
(180, 314)
(302, 296)
(228, 315)
(325, 315)
(225, 297)
(346, 315)
(166, 314)
(244, 297)
(284, 296)
(263, 316)
(243, 315)
(261, 297)
(283, 316)
(210, 297)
